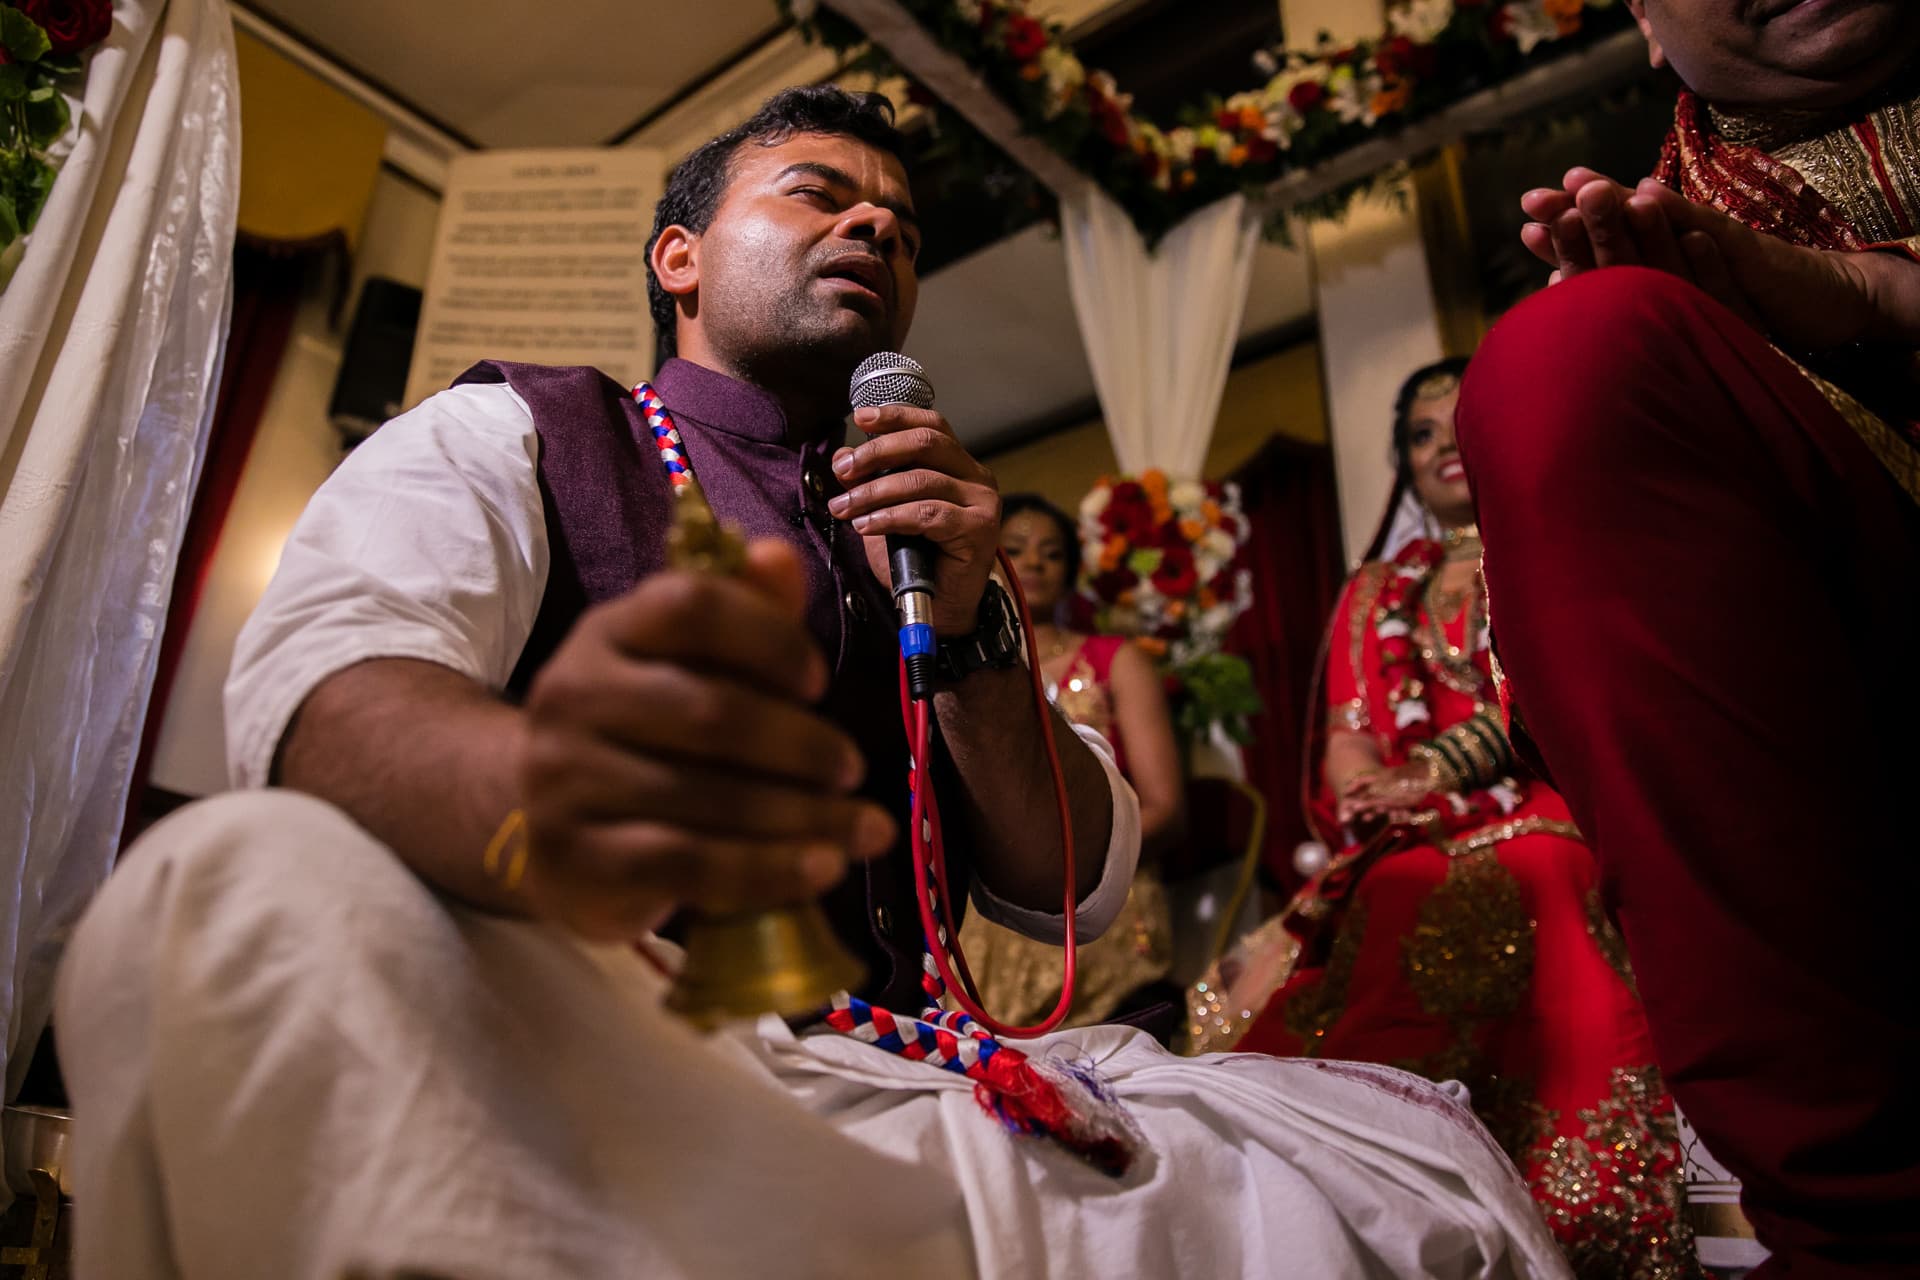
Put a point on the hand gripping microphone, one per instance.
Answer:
(887, 377)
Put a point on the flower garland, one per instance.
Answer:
(1163, 565)
(1396, 620)
(1316, 104)
(41, 43)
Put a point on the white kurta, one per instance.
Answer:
(289, 1058)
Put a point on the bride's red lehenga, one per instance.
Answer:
(1470, 944)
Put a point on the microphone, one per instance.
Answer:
(887, 377)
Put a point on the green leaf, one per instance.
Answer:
(47, 119)
(13, 78)
(41, 92)
(24, 39)
(60, 65)
(40, 183)
(9, 225)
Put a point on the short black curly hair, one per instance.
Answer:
(698, 183)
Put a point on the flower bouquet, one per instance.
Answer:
(1162, 565)
(40, 46)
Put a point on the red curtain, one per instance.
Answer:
(268, 279)
(1295, 557)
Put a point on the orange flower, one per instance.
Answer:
(1154, 645)
(1211, 510)
(1125, 598)
(1032, 71)
(1187, 179)
(1192, 530)
(1112, 553)
(1252, 119)
(1154, 482)
(1237, 155)
(1388, 101)
(1207, 598)
(1176, 610)
(1566, 14)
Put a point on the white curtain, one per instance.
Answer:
(111, 335)
(1159, 327)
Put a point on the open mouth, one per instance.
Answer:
(867, 275)
(1452, 471)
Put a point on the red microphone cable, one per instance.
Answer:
(929, 849)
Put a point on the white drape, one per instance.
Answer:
(1159, 327)
(111, 334)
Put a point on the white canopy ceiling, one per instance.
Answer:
(996, 329)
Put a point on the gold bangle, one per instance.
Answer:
(513, 825)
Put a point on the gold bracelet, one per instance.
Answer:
(513, 825)
(1445, 776)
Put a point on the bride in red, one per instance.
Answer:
(1457, 930)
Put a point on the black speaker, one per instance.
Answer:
(373, 371)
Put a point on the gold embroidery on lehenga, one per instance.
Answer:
(1470, 955)
(1309, 1014)
(1614, 1195)
(1606, 937)
(1487, 837)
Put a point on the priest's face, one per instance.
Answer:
(808, 263)
(1781, 54)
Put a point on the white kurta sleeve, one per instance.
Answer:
(428, 542)
(1095, 912)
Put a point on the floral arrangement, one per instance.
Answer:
(1316, 103)
(41, 43)
(1162, 565)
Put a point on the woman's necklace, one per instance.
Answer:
(1462, 542)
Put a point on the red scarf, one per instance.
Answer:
(1747, 184)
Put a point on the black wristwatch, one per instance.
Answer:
(992, 645)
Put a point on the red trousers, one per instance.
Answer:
(1706, 593)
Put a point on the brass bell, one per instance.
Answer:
(786, 960)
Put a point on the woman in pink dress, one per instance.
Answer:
(1108, 684)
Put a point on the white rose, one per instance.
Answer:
(1422, 20)
(1187, 496)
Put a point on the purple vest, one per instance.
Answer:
(607, 504)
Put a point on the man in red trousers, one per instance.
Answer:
(1697, 471)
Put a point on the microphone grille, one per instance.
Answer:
(887, 377)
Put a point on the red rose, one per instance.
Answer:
(1176, 577)
(1261, 150)
(1108, 586)
(72, 26)
(1306, 95)
(1227, 121)
(1025, 38)
(1401, 57)
(1134, 522)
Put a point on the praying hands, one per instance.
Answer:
(1806, 299)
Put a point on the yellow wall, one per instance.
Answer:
(309, 155)
(1279, 395)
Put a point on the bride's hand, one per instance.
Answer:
(1393, 794)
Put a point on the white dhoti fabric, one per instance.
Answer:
(288, 1058)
